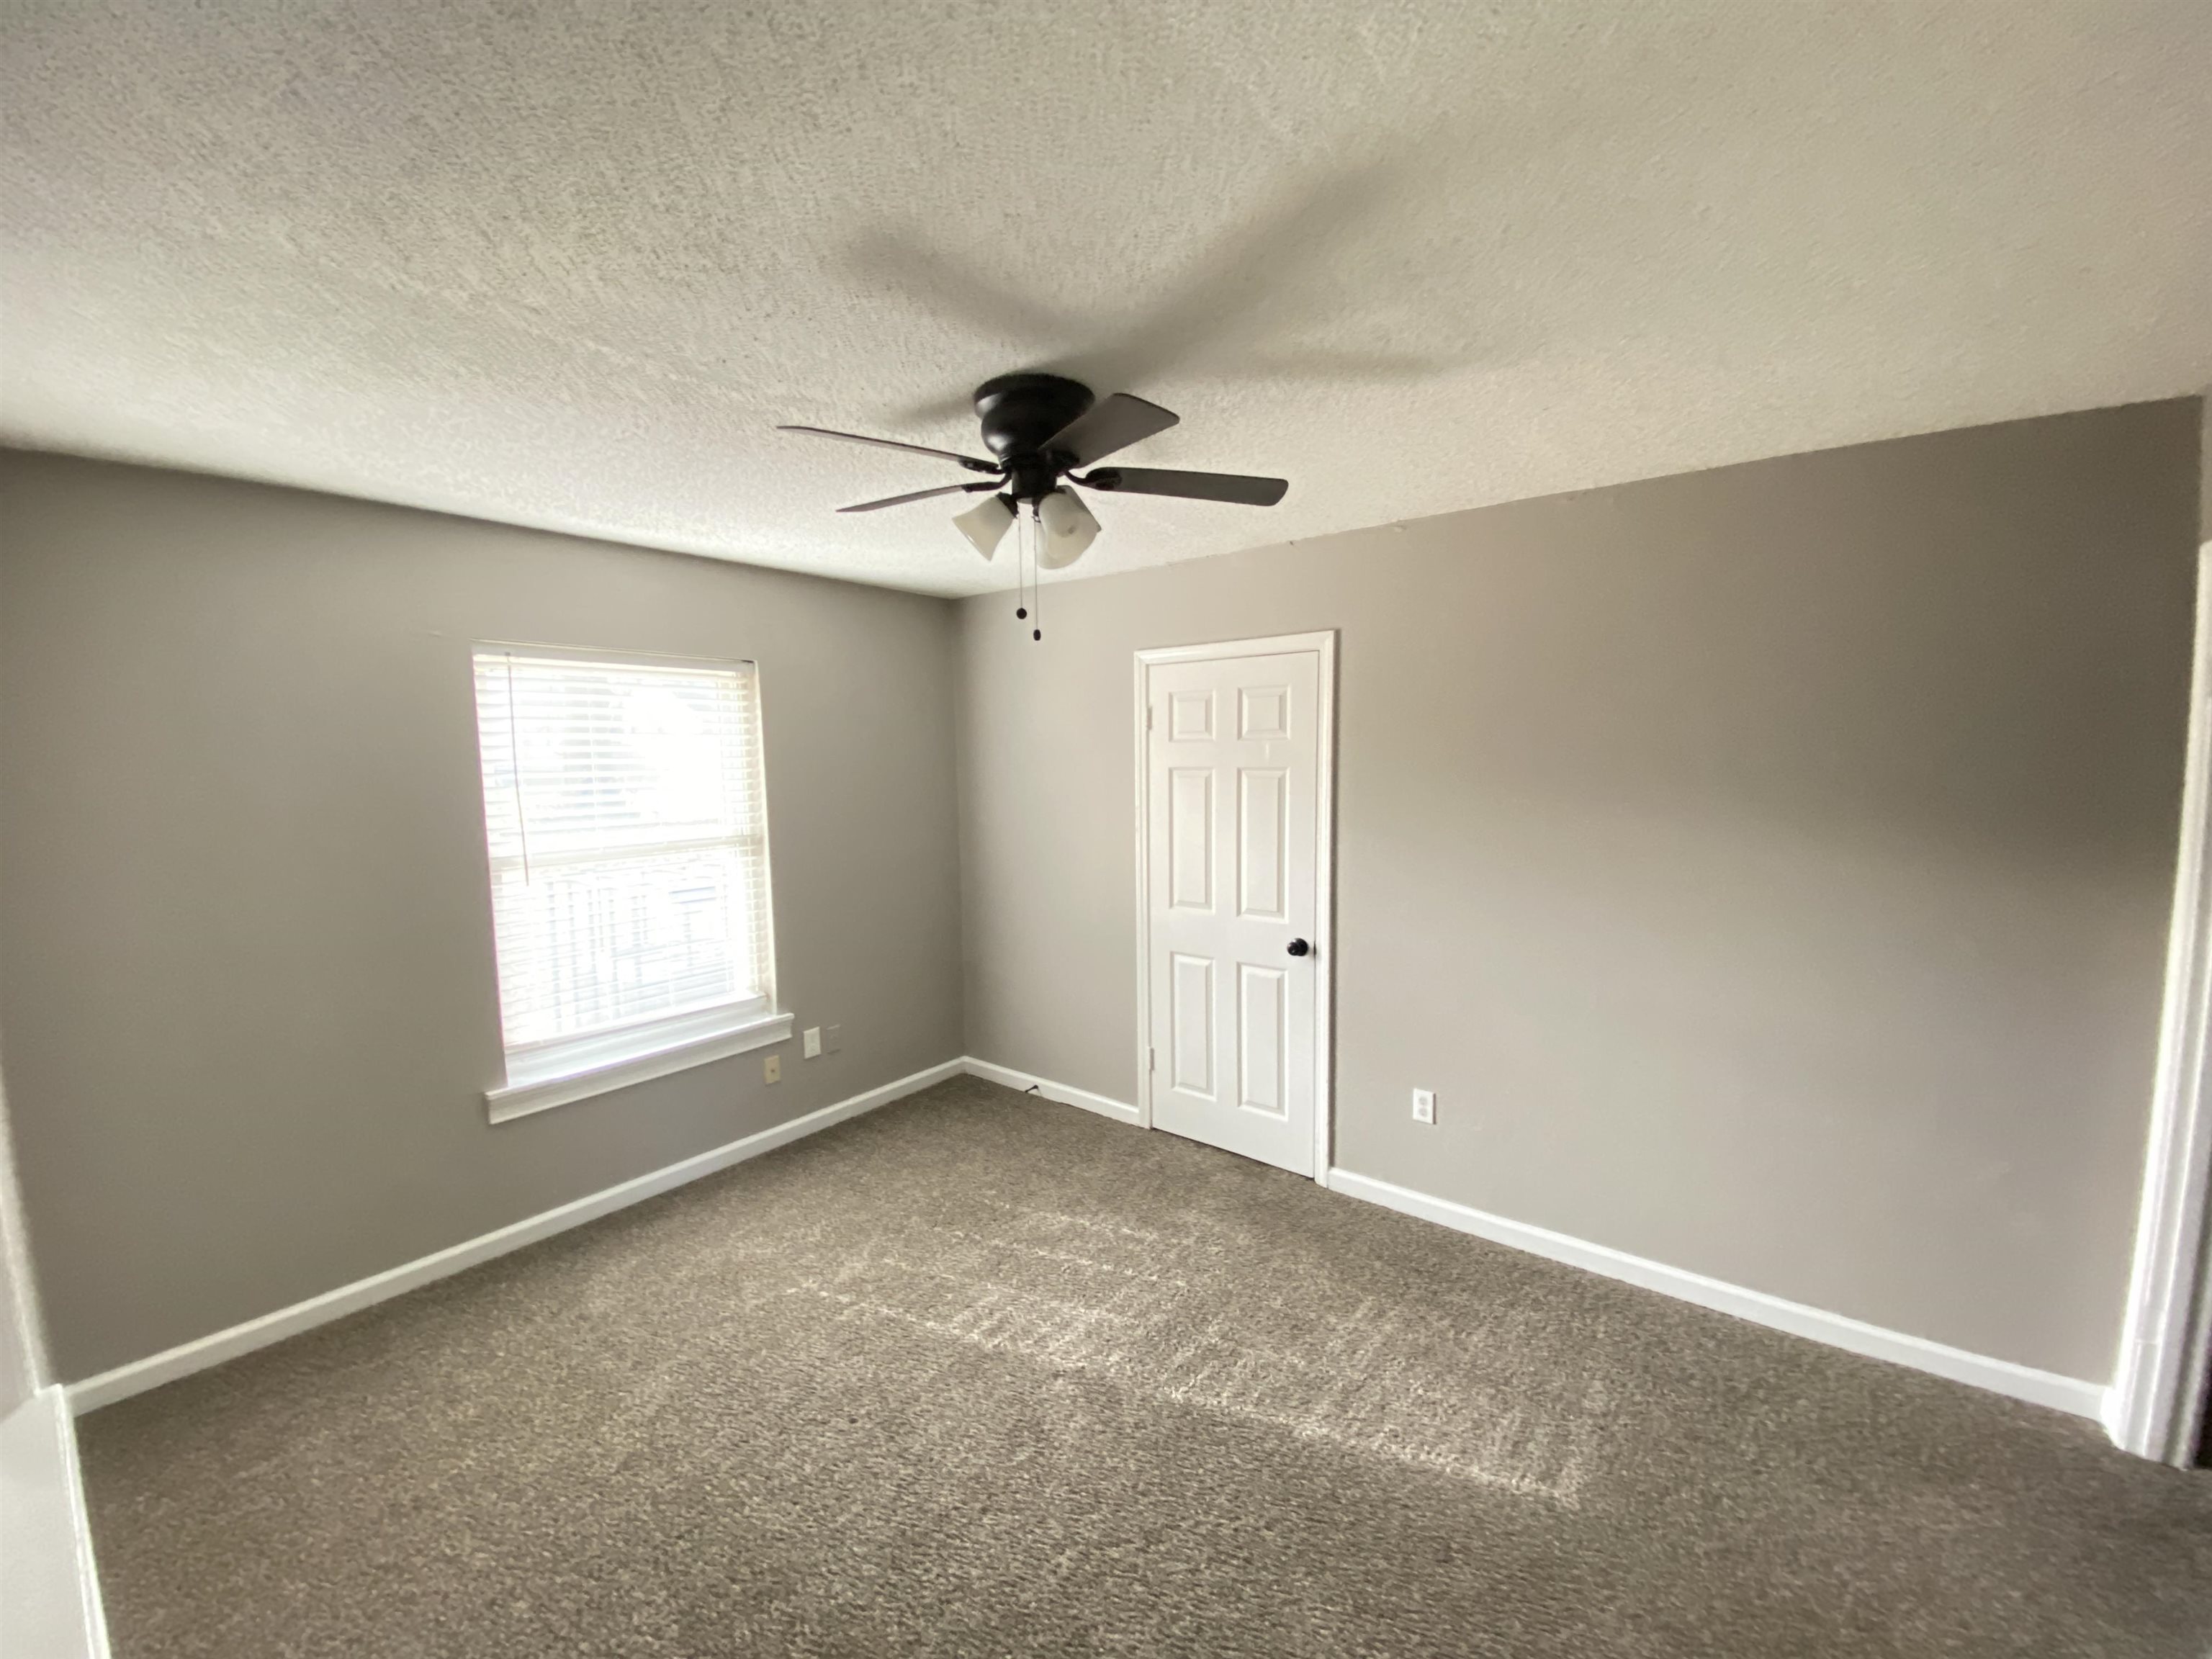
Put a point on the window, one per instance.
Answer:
(627, 828)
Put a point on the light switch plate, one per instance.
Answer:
(810, 1039)
(772, 1068)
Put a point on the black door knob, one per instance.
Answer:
(1299, 947)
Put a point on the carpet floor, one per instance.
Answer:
(978, 1375)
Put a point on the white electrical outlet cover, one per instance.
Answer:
(1425, 1106)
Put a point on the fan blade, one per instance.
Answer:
(919, 495)
(1112, 423)
(1197, 486)
(968, 461)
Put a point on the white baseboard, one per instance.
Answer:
(151, 1372)
(1047, 1090)
(49, 1586)
(2064, 1394)
(2004, 1377)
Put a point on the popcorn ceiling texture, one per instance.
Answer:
(566, 265)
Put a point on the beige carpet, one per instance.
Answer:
(980, 1375)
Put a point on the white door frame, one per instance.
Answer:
(1324, 941)
(2156, 1401)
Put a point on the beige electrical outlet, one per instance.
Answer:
(772, 1068)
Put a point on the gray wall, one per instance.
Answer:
(1769, 867)
(245, 972)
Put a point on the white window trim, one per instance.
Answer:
(576, 1068)
(560, 1073)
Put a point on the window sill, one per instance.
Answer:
(658, 1053)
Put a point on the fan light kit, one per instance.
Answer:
(1068, 528)
(1041, 428)
(987, 524)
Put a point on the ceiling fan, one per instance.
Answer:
(1041, 428)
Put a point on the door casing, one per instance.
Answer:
(1324, 941)
(2161, 1389)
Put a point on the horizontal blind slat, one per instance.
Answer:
(625, 821)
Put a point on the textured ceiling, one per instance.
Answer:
(565, 264)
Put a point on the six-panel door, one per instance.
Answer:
(1232, 758)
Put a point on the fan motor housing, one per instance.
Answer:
(1020, 412)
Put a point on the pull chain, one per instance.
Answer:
(1029, 538)
(1021, 556)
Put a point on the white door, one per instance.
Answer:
(1235, 840)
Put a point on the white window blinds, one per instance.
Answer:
(624, 813)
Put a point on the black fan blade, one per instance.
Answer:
(920, 495)
(968, 461)
(1196, 486)
(1112, 423)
